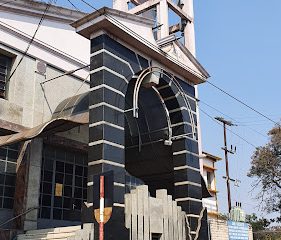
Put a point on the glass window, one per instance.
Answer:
(5, 68)
(68, 170)
(209, 179)
(8, 158)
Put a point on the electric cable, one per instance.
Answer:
(245, 140)
(30, 42)
(73, 5)
(236, 122)
(243, 103)
(65, 74)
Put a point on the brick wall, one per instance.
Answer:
(219, 230)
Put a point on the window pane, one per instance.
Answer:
(48, 176)
(11, 167)
(78, 181)
(8, 203)
(3, 153)
(59, 166)
(12, 155)
(58, 202)
(46, 200)
(47, 188)
(78, 193)
(45, 212)
(59, 178)
(57, 214)
(67, 203)
(10, 180)
(67, 191)
(68, 168)
(68, 179)
(79, 171)
(2, 166)
(85, 172)
(2, 178)
(78, 203)
(9, 191)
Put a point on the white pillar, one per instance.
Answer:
(121, 5)
(163, 18)
(189, 29)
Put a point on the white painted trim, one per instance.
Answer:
(193, 215)
(114, 183)
(183, 152)
(109, 70)
(119, 205)
(165, 86)
(106, 142)
(119, 184)
(188, 199)
(187, 183)
(181, 109)
(107, 87)
(113, 55)
(186, 167)
(171, 97)
(105, 161)
(90, 184)
(181, 123)
(106, 123)
(108, 105)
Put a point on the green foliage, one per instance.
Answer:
(266, 170)
(258, 224)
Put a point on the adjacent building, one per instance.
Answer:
(209, 173)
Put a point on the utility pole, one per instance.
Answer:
(226, 151)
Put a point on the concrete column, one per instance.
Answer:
(121, 5)
(189, 29)
(33, 183)
(163, 18)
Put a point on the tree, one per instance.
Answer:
(266, 169)
(257, 224)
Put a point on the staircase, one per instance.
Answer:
(62, 233)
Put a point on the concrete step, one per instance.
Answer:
(62, 233)
(55, 230)
(58, 236)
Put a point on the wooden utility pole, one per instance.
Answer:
(226, 151)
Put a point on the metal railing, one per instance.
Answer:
(22, 214)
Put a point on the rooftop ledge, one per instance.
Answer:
(122, 25)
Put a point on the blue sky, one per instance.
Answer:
(238, 42)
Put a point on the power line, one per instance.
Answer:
(243, 103)
(236, 122)
(245, 140)
(73, 5)
(30, 42)
(65, 74)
